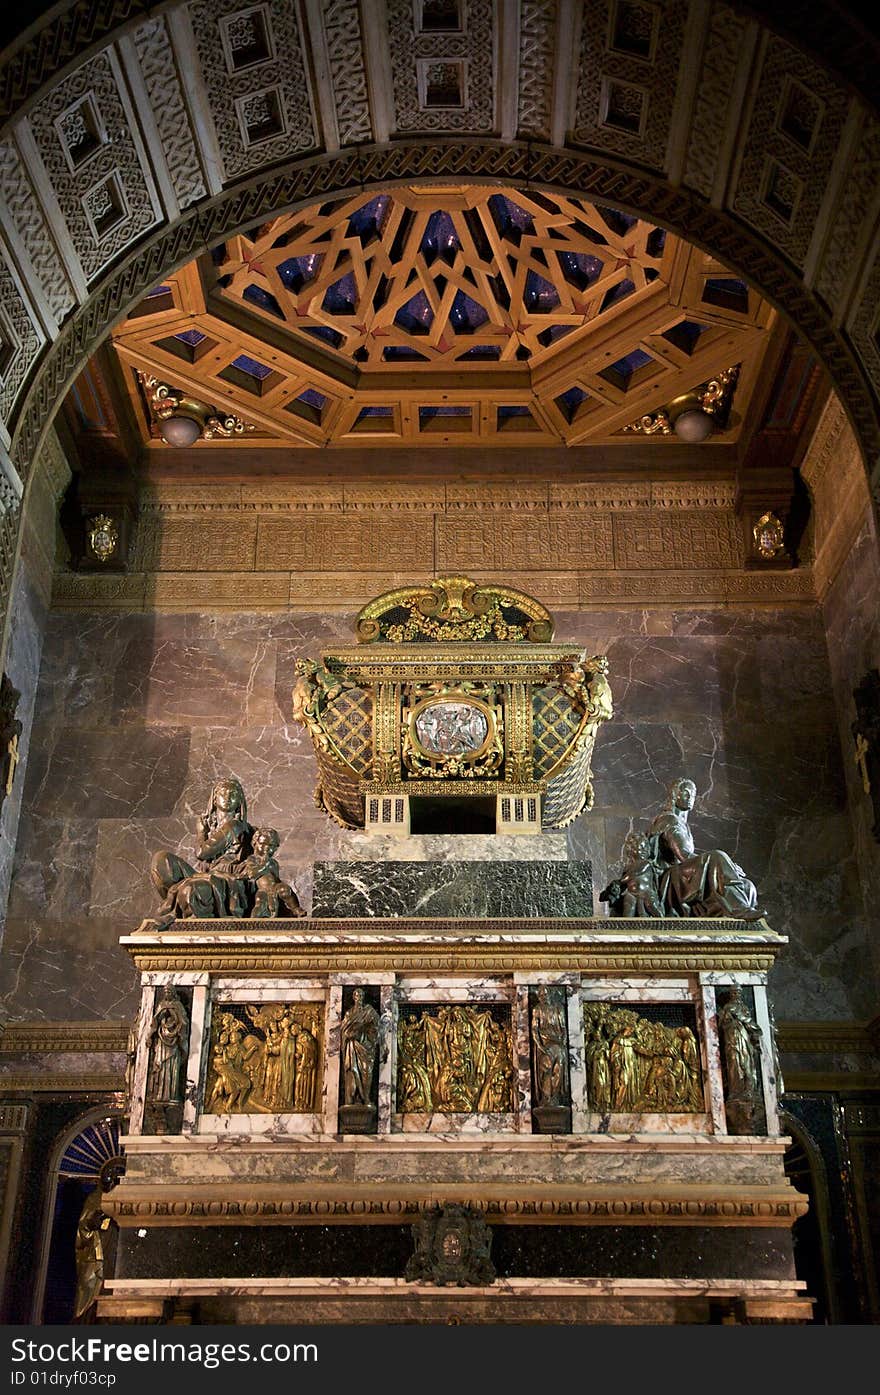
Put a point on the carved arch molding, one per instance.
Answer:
(717, 129)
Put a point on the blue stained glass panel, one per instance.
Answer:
(246, 364)
(416, 316)
(341, 297)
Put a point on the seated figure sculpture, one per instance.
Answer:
(235, 875)
(685, 882)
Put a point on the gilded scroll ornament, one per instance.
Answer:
(454, 608)
(266, 1059)
(769, 537)
(235, 872)
(453, 1059)
(663, 875)
(635, 1065)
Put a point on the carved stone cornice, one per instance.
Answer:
(103, 1085)
(134, 1204)
(499, 945)
(19, 1038)
(858, 1038)
(334, 590)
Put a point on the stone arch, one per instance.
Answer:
(70, 1134)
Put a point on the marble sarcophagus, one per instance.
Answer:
(363, 1118)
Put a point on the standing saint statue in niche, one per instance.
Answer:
(741, 1040)
(360, 1041)
(549, 1050)
(168, 1034)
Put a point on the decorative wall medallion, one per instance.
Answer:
(768, 534)
(103, 537)
(444, 728)
(451, 1247)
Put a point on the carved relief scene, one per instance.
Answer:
(454, 1059)
(265, 1058)
(637, 1063)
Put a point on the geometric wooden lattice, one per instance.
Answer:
(448, 314)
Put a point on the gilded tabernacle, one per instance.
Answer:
(453, 692)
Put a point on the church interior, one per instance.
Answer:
(440, 784)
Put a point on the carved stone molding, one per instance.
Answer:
(179, 1206)
(102, 1085)
(20, 1037)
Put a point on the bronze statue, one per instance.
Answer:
(740, 1038)
(663, 875)
(272, 896)
(635, 891)
(360, 1042)
(235, 875)
(698, 884)
(89, 1250)
(549, 1050)
(169, 1031)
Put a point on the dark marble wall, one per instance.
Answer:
(138, 714)
(28, 611)
(851, 614)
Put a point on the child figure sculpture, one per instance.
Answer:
(272, 896)
(634, 892)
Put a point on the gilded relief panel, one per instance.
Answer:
(454, 1059)
(638, 1063)
(266, 1059)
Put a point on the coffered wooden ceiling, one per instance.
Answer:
(446, 314)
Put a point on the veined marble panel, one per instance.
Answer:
(455, 990)
(423, 889)
(278, 1125)
(646, 1124)
(452, 1125)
